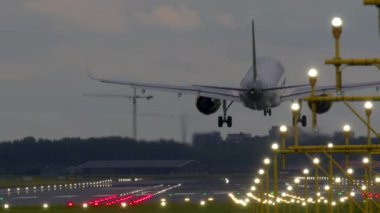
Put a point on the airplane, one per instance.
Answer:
(262, 88)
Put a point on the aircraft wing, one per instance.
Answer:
(218, 93)
(304, 91)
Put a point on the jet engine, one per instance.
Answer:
(321, 106)
(207, 105)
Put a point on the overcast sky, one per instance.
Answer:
(45, 44)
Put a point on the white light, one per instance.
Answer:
(352, 194)
(377, 179)
(368, 105)
(275, 146)
(346, 128)
(296, 180)
(295, 106)
(318, 194)
(313, 73)
(364, 187)
(202, 203)
(266, 161)
(45, 206)
(333, 203)
(336, 22)
(365, 160)
(84, 205)
(6, 206)
(330, 145)
(123, 205)
(289, 188)
(257, 181)
(187, 199)
(350, 171)
(337, 180)
(210, 199)
(253, 188)
(261, 171)
(283, 128)
(305, 171)
(163, 204)
(327, 187)
(316, 160)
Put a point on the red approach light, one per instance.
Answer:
(70, 204)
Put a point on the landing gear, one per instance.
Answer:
(267, 111)
(302, 119)
(225, 119)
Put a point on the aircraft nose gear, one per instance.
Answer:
(225, 119)
(268, 112)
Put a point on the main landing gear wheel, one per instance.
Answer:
(225, 119)
(303, 120)
(268, 112)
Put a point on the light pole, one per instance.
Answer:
(266, 162)
(350, 171)
(368, 111)
(365, 161)
(296, 110)
(337, 31)
(347, 130)
(260, 186)
(306, 173)
(316, 162)
(313, 73)
(283, 134)
(275, 174)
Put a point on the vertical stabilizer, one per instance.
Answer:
(254, 68)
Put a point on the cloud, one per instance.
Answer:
(96, 15)
(181, 18)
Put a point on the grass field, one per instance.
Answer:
(171, 208)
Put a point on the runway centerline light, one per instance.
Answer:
(336, 22)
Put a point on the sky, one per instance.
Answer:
(45, 45)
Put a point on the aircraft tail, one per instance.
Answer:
(254, 67)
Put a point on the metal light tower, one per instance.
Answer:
(133, 97)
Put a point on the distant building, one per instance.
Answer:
(206, 140)
(140, 167)
(238, 137)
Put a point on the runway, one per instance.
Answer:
(116, 192)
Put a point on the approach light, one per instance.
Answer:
(316, 161)
(267, 160)
(350, 171)
(346, 128)
(368, 105)
(364, 187)
(377, 179)
(257, 180)
(283, 128)
(336, 22)
(313, 73)
(45, 205)
(338, 180)
(365, 160)
(274, 146)
(202, 202)
(253, 188)
(352, 194)
(289, 188)
(330, 145)
(305, 171)
(123, 205)
(6, 206)
(295, 106)
(84, 205)
(261, 171)
(296, 180)
(327, 187)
